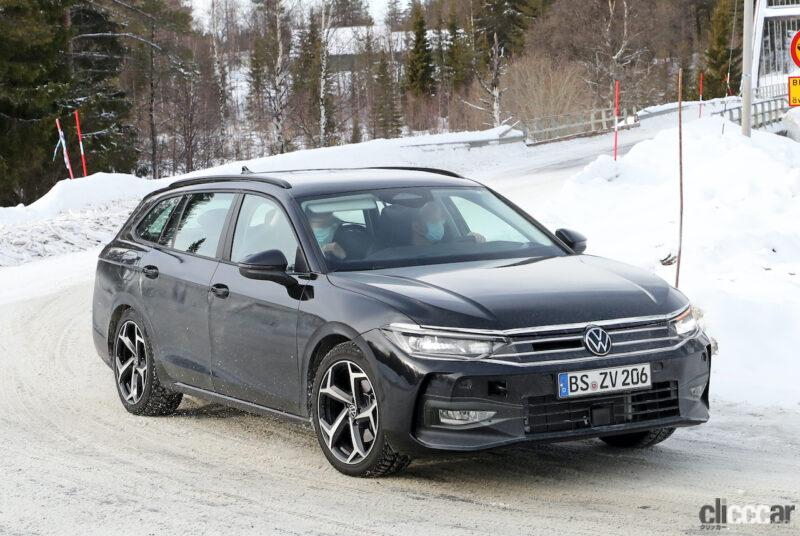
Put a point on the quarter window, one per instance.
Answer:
(200, 228)
(263, 226)
(153, 223)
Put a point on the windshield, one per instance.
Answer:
(385, 228)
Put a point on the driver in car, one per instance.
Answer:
(325, 225)
(429, 226)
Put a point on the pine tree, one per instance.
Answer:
(508, 19)
(386, 114)
(719, 55)
(419, 65)
(256, 80)
(394, 15)
(96, 65)
(350, 13)
(33, 80)
(459, 55)
(306, 75)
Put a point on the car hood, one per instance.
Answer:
(513, 294)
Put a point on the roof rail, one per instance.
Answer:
(399, 168)
(203, 180)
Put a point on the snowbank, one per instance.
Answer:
(741, 252)
(79, 193)
(791, 123)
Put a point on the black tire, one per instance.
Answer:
(152, 398)
(639, 440)
(381, 459)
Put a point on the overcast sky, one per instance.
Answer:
(377, 7)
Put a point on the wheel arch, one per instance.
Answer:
(113, 322)
(323, 341)
(319, 351)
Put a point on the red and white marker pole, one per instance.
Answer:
(80, 141)
(616, 117)
(701, 94)
(64, 148)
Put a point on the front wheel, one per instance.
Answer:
(639, 440)
(346, 416)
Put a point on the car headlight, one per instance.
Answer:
(686, 323)
(434, 343)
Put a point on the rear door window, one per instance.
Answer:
(200, 228)
(152, 225)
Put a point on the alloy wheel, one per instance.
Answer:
(347, 412)
(130, 353)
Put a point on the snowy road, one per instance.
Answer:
(72, 461)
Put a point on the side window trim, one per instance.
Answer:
(226, 244)
(176, 216)
(138, 221)
(226, 258)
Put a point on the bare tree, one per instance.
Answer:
(325, 28)
(618, 52)
(490, 82)
(277, 72)
(220, 77)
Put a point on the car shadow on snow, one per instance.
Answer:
(563, 464)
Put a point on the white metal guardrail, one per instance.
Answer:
(765, 112)
(772, 91)
(576, 124)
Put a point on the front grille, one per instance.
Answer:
(549, 414)
(626, 339)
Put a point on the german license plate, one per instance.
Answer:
(599, 381)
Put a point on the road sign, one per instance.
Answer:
(794, 50)
(794, 91)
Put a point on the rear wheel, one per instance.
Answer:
(137, 381)
(347, 419)
(644, 439)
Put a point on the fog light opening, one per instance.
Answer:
(464, 417)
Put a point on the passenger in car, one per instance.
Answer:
(429, 227)
(325, 226)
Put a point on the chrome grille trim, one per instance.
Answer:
(649, 339)
(555, 327)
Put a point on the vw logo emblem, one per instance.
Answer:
(597, 340)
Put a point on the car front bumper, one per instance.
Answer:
(524, 401)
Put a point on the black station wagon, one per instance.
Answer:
(400, 310)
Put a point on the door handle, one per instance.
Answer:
(150, 272)
(221, 291)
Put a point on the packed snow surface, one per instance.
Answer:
(741, 248)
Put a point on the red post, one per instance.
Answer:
(64, 148)
(616, 117)
(701, 94)
(80, 141)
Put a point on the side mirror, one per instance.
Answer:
(267, 266)
(575, 240)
